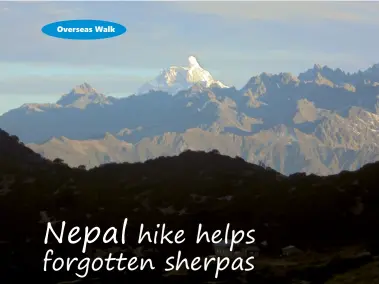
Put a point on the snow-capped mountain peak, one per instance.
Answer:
(193, 62)
(176, 78)
(83, 89)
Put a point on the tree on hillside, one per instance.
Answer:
(262, 164)
(58, 161)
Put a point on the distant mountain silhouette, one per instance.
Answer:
(81, 96)
(323, 121)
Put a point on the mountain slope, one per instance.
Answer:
(286, 150)
(14, 153)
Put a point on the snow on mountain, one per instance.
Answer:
(175, 79)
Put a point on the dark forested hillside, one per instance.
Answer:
(330, 219)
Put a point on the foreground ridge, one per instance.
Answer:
(182, 191)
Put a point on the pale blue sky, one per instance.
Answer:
(234, 41)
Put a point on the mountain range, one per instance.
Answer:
(322, 121)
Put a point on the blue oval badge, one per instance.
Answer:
(83, 29)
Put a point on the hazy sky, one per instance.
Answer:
(232, 40)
